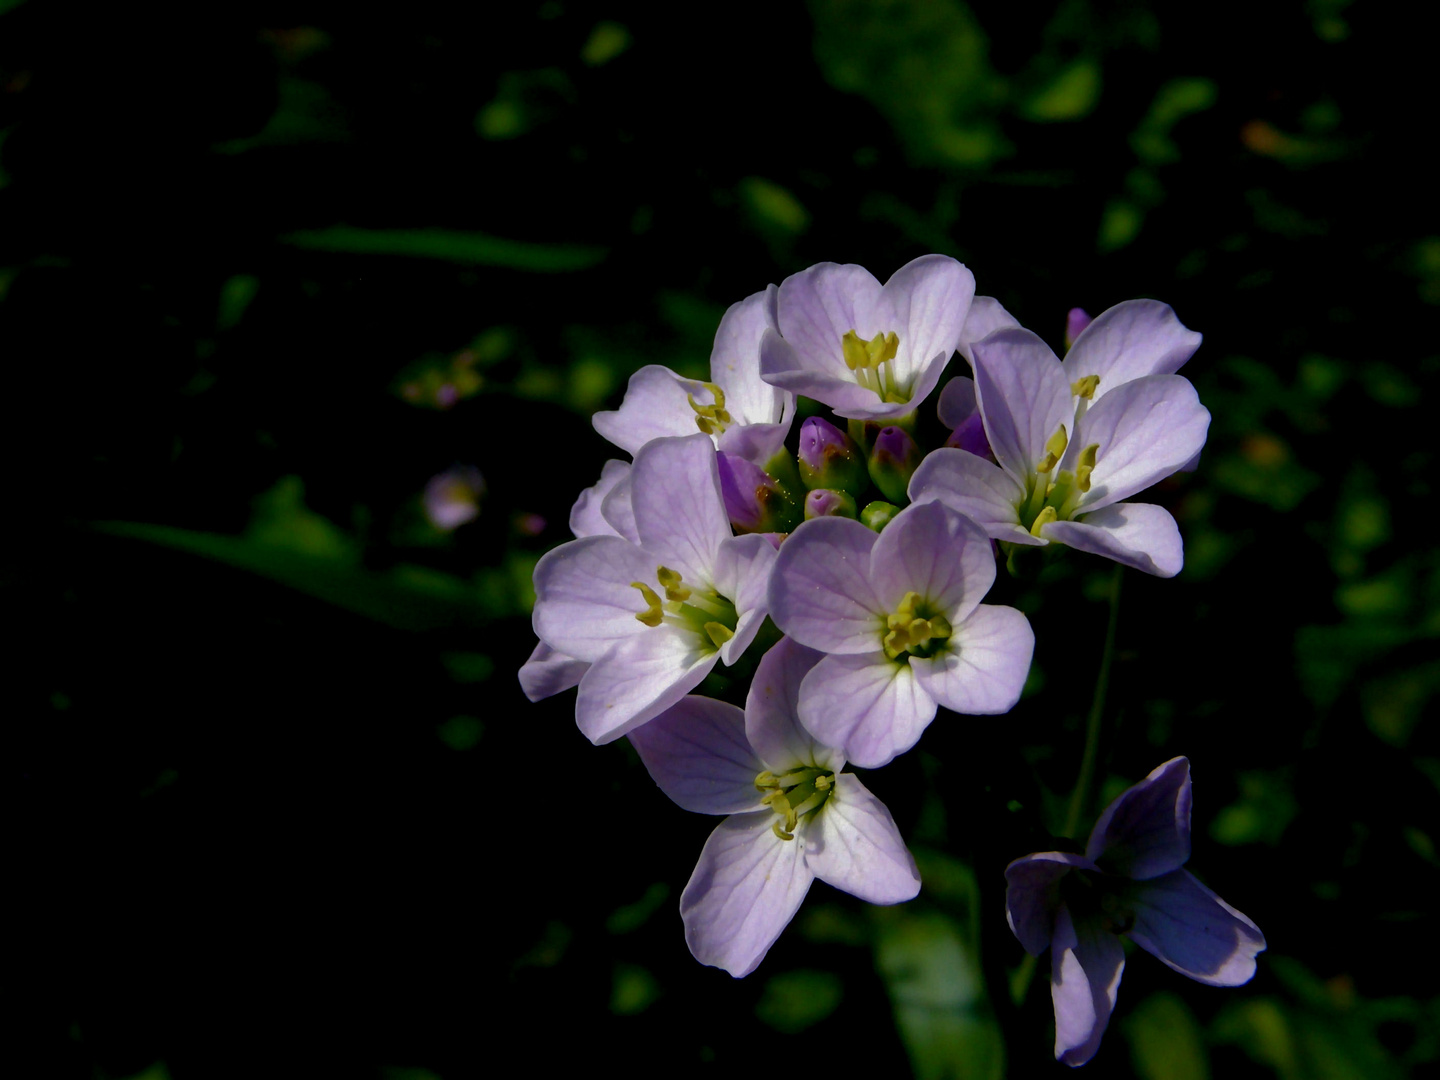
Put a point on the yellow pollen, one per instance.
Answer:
(1042, 519)
(1086, 466)
(719, 633)
(711, 419)
(1054, 449)
(653, 614)
(868, 354)
(1085, 387)
(670, 582)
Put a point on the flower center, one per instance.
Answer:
(711, 419)
(914, 629)
(871, 363)
(794, 794)
(1097, 900)
(700, 611)
(1055, 499)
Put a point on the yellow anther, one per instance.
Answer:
(766, 780)
(1042, 519)
(868, 354)
(719, 633)
(824, 782)
(711, 419)
(670, 582)
(1054, 450)
(940, 627)
(1086, 466)
(705, 424)
(781, 833)
(1085, 387)
(653, 614)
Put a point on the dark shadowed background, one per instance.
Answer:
(276, 803)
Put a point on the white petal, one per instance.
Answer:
(1129, 341)
(772, 711)
(1024, 398)
(1136, 534)
(983, 492)
(548, 672)
(818, 306)
(735, 362)
(931, 296)
(584, 602)
(1085, 969)
(984, 670)
(985, 317)
(655, 406)
(934, 551)
(640, 678)
(870, 706)
(586, 518)
(1146, 429)
(957, 402)
(853, 844)
(746, 888)
(679, 511)
(820, 591)
(697, 752)
(742, 575)
(618, 511)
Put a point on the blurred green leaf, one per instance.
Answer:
(1265, 807)
(468, 248)
(235, 298)
(468, 667)
(939, 999)
(633, 990)
(630, 917)
(1166, 1042)
(461, 732)
(795, 1000)
(1070, 95)
(607, 41)
(1327, 657)
(1174, 101)
(772, 206)
(1394, 704)
(306, 113)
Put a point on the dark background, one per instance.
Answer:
(277, 805)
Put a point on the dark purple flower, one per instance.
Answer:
(1129, 881)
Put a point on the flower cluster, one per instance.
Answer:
(870, 544)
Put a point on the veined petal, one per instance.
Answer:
(1086, 963)
(817, 306)
(548, 672)
(1024, 398)
(772, 711)
(584, 602)
(756, 443)
(957, 402)
(1146, 429)
(985, 317)
(781, 365)
(1129, 341)
(853, 844)
(655, 406)
(820, 591)
(1032, 895)
(1185, 925)
(746, 888)
(586, 518)
(934, 551)
(1136, 534)
(679, 512)
(1145, 832)
(985, 493)
(640, 678)
(984, 669)
(618, 511)
(931, 296)
(742, 575)
(735, 363)
(868, 705)
(696, 751)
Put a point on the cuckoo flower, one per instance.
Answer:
(652, 615)
(1068, 454)
(870, 352)
(1129, 881)
(900, 614)
(794, 816)
(745, 415)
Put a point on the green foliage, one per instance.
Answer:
(447, 245)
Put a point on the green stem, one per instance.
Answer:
(1097, 711)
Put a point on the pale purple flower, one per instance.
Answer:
(1129, 881)
(900, 614)
(1073, 440)
(794, 816)
(870, 352)
(1076, 320)
(652, 615)
(960, 412)
(453, 497)
(742, 413)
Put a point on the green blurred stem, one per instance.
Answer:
(1097, 711)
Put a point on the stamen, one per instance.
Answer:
(1085, 387)
(861, 354)
(670, 582)
(719, 633)
(781, 833)
(652, 615)
(1054, 450)
(1086, 466)
(1042, 519)
(711, 419)
(766, 780)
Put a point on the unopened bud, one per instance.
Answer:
(893, 460)
(825, 502)
(754, 500)
(877, 515)
(1075, 323)
(829, 458)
